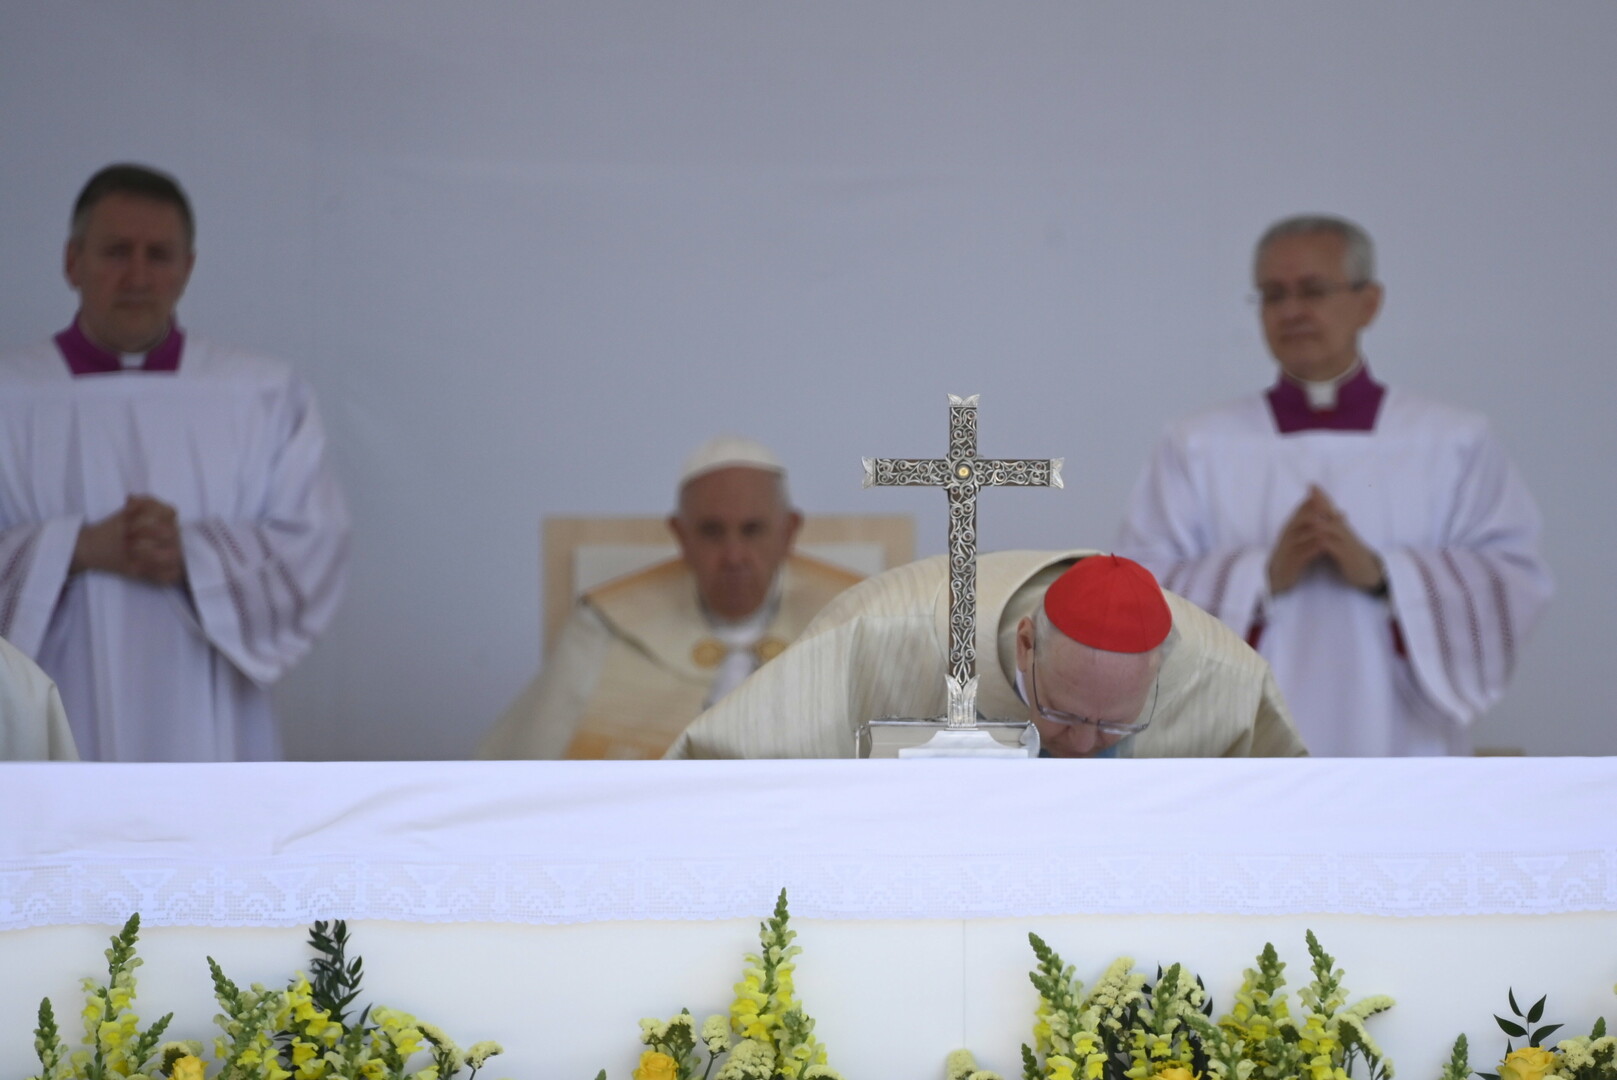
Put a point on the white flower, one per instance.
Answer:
(750, 1060)
(478, 1053)
(716, 1034)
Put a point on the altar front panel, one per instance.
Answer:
(551, 905)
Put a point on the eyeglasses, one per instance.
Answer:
(1105, 727)
(1307, 292)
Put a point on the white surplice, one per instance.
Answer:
(881, 650)
(1429, 489)
(234, 443)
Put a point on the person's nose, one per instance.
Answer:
(1082, 739)
(733, 553)
(1291, 307)
(137, 272)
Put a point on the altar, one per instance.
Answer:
(551, 905)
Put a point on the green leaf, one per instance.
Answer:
(1599, 1031)
(1536, 1013)
(1515, 1008)
(1515, 1031)
(1543, 1033)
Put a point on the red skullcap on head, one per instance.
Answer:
(1111, 603)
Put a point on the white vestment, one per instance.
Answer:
(33, 726)
(234, 443)
(881, 650)
(1429, 489)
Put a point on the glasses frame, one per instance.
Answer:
(1307, 294)
(1105, 727)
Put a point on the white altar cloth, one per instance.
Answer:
(553, 842)
(1443, 882)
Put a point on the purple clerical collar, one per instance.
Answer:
(1358, 400)
(85, 357)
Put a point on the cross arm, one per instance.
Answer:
(906, 472)
(1020, 472)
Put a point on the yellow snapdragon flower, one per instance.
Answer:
(189, 1067)
(1058, 1067)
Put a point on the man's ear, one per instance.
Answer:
(677, 527)
(70, 262)
(1371, 296)
(1024, 642)
(794, 522)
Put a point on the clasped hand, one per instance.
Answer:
(140, 541)
(1318, 530)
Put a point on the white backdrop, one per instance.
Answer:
(529, 254)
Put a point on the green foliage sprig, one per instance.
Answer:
(1587, 1057)
(1524, 1029)
(334, 981)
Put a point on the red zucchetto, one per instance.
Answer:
(1111, 603)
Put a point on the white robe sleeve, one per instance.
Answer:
(34, 561)
(795, 706)
(809, 701)
(541, 722)
(265, 586)
(1166, 529)
(1465, 605)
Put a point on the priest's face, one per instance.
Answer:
(1312, 313)
(734, 530)
(1082, 688)
(130, 266)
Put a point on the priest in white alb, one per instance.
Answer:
(1084, 645)
(1377, 547)
(171, 540)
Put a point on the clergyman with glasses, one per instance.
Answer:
(1087, 646)
(1378, 548)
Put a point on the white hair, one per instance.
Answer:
(1359, 254)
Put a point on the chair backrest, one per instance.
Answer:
(581, 553)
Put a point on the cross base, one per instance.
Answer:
(896, 737)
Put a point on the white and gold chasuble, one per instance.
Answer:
(637, 658)
(881, 649)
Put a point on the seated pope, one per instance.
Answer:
(1086, 646)
(642, 655)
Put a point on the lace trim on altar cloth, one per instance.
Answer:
(283, 893)
(581, 842)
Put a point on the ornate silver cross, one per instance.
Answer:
(962, 474)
